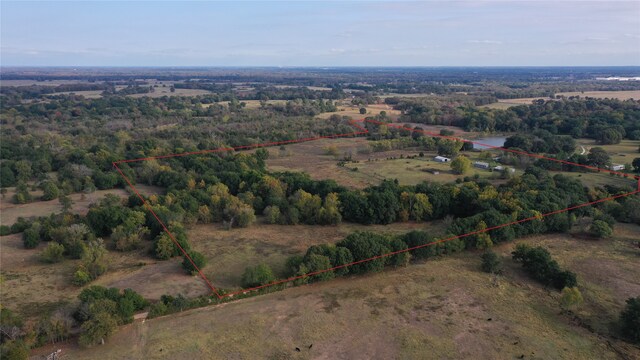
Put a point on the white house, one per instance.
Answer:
(481, 165)
(616, 167)
(441, 159)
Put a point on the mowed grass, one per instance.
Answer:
(444, 308)
(229, 252)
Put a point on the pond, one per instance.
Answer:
(491, 140)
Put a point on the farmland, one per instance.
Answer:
(445, 308)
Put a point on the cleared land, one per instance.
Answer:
(81, 202)
(372, 167)
(445, 309)
(621, 95)
(31, 287)
(230, 251)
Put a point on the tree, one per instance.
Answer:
(449, 147)
(53, 253)
(66, 203)
(315, 263)
(97, 328)
(14, 350)
(363, 111)
(196, 258)
(598, 157)
(94, 259)
(364, 245)
(600, 229)
(630, 320)
(50, 190)
(483, 240)
(257, 275)
(31, 236)
(491, 262)
(461, 165)
(272, 214)
(570, 298)
(636, 164)
(7, 178)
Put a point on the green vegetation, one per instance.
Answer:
(630, 320)
(491, 262)
(461, 165)
(257, 275)
(538, 263)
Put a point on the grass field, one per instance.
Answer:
(444, 309)
(621, 95)
(10, 212)
(230, 251)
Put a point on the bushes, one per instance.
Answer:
(102, 309)
(537, 262)
(364, 245)
(257, 275)
(53, 253)
(630, 320)
(196, 258)
(31, 236)
(600, 229)
(491, 263)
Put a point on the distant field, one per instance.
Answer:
(10, 211)
(621, 95)
(230, 251)
(445, 308)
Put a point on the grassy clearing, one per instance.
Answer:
(81, 203)
(31, 286)
(230, 251)
(445, 308)
(620, 95)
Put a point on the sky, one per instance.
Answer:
(326, 33)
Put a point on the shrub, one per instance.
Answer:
(257, 275)
(491, 263)
(630, 320)
(81, 277)
(600, 229)
(537, 262)
(570, 298)
(53, 253)
(198, 259)
(31, 236)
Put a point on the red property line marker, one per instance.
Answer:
(363, 131)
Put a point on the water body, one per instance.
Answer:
(491, 140)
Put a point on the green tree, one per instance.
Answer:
(491, 262)
(7, 178)
(31, 236)
(196, 258)
(636, 164)
(483, 240)
(53, 253)
(461, 165)
(630, 320)
(272, 214)
(14, 350)
(598, 157)
(600, 229)
(570, 298)
(315, 263)
(23, 170)
(50, 190)
(97, 329)
(363, 111)
(257, 275)
(95, 259)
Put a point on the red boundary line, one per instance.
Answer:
(362, 131)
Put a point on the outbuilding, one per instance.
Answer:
(441, 159)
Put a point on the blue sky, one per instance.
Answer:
(306, 33)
